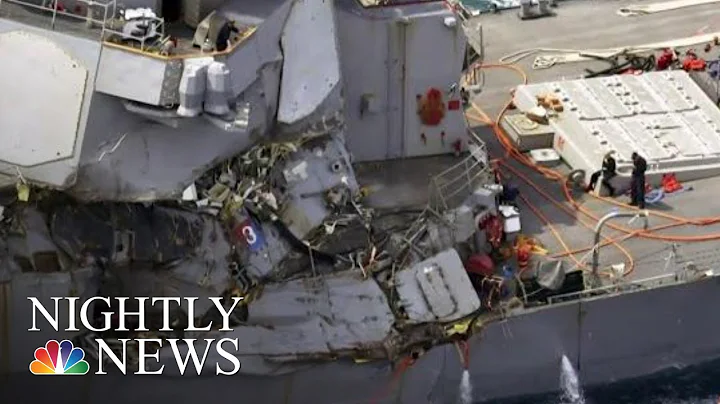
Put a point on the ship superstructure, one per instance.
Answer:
(159, 154)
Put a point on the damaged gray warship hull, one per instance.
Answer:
(317, 162)
(519, 356)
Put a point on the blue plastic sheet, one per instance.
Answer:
(654, 196)
(713, 68)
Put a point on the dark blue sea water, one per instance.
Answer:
(692, 385)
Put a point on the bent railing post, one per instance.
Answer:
(598, 228)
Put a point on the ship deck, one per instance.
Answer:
(585, 24)
(74, 22)
(562, 227)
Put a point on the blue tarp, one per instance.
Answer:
(714, 68)
(654, 196)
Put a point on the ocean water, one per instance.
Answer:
(692, 385)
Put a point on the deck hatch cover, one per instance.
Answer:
(436, 291)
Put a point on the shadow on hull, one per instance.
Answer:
(612, 339)
(690, 385)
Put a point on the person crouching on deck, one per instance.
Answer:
(225, 34)
(608, 172)
(637, 186)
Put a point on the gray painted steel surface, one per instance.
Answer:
(124, 156)
(611, 338)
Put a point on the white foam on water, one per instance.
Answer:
(570, 384)
(465, 388)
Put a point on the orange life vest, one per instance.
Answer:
(670, 183)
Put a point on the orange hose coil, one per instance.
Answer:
(511, 151)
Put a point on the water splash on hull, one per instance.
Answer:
(570, 383)
(465, 388)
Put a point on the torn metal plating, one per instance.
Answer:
(283, 220)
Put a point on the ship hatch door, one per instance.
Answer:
(436, 291)
(171, 10)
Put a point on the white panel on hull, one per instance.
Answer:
(437, 289)
(131, 76)
(311, 69)
(42, 94)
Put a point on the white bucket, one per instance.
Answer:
(512, 218)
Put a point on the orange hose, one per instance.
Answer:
(483, 117)
(644, 234)
(464, 352)
(568, 251)
(396, 376)
(479, 115)
(555, 233)
(554, 175)
(616, 239)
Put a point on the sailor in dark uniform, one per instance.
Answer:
(224, 34)
(608, 172)
(637, 185)
(464, 96)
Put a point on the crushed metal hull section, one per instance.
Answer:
(505, 352)
(315, 163)
(434, 290)
(312, 318)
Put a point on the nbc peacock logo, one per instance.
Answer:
(59, 359)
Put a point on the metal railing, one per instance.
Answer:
(106, 12)
(143, 40)
(98, 15)
(108, 8)
(450, 188)
(624, 287)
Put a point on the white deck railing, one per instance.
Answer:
(451, 187)
(108, 8)
(99, 14)
(624, 287)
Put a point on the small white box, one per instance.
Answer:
(545, 157)
(512, 218)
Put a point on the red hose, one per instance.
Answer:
(401, 368)
(464, 351)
